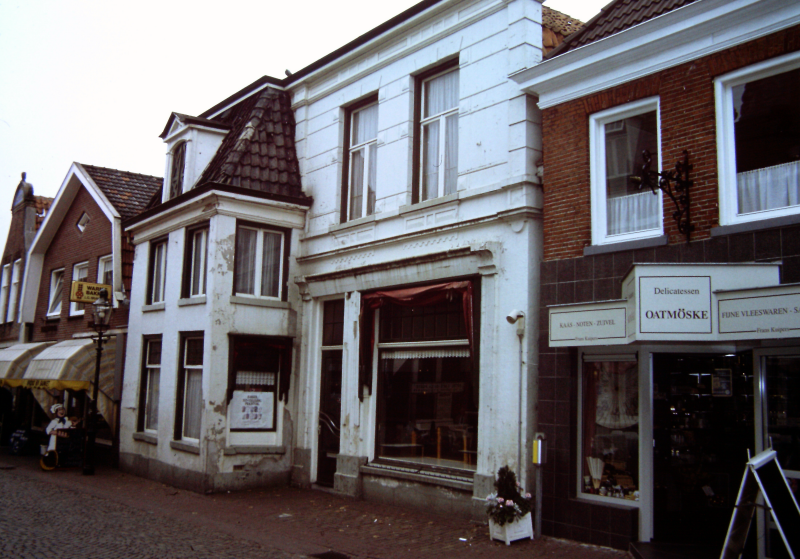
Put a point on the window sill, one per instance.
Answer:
(748, 226)
(258, 302)
(429, 203)
(52, 317)
(145, 438)
(352, 223)
(408, 472)
(661, 240)
(189, 301)
(185, 447)
(154, 307)
(609, 501)
(234, 450)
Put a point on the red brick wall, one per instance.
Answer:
(688, 121)
(70, 246)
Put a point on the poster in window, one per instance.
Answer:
(252, 410)
(721, 382)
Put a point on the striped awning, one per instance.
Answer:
(70, 365)
(15, 359)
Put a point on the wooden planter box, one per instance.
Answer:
(511, 531)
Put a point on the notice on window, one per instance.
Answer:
(252, 410)
(721, 382)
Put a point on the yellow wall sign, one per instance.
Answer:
(85, 292)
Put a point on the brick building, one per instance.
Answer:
(81, 238)
(669, 346)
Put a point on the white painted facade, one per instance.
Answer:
(488, 231)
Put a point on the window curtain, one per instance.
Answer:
(153, 383)
(356, 183)
(365, 125)
(57, 295)
(430, 173)
(441, 94)
(769, 188)
(410, 297)
(246, 261)
(271, 265)
(192, 405)
(634, 212)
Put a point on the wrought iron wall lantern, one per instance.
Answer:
(674, 183)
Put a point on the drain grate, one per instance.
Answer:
(331, 555)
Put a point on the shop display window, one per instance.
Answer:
(610, 412)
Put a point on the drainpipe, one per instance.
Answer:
(518, 317)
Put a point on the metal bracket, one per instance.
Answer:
(664, 180)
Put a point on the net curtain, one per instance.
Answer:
(409, 297)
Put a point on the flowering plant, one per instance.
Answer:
(510, 501)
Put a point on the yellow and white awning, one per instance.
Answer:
(70, 365)
(14, 361)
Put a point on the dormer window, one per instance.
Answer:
(176, 173)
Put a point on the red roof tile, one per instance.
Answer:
(128, 192)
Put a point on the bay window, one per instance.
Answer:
(362, 161)
(438, 128)
(259, 262)
(758, 141)
(618, 137)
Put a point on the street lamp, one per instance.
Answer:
(102, 317)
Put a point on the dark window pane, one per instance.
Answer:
(194, 351)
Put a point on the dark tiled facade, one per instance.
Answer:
(598, 278)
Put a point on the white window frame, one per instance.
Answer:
(352, 150)
(202, 265)
(102, 263)
(149, 369)
(54, 278)
(185, 368)
(258, 263)
(16, 278)
(726, 143)
(83, 222)
(158, 263)
(5, 286)
(77, 309)
(597, 165)
(442, 118)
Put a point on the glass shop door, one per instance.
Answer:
(781, 422)
(703, 425)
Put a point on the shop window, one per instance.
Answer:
(438, 99)
(330, 400)
(177, 170)
(150, 384)
(428, 381)
(758, 123)
(13, 297)
(195, 262)
(157, 279)
(80, 272)
(621, 211)
(362, 160)
(105, 270)
(5, 283)
(259, 262)
(56, 293)
(189, 408)
(258, 365)
(610, 429)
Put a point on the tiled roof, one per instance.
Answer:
(617, 16)
(128, 192)
(259, 152)
(42, 205)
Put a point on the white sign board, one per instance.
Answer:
(763, 313)
(252, 410)
(588, 325)
(675, 305)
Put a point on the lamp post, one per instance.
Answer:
(102, 317)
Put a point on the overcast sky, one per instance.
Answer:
(95, 81)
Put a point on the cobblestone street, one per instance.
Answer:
(63, 514)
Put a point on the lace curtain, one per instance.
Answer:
(192, 406)
(441, 96)
(634, 212)
(769, 188)
(245, 261)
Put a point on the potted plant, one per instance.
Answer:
(509, 509)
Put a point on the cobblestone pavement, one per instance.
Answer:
(63, 514)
